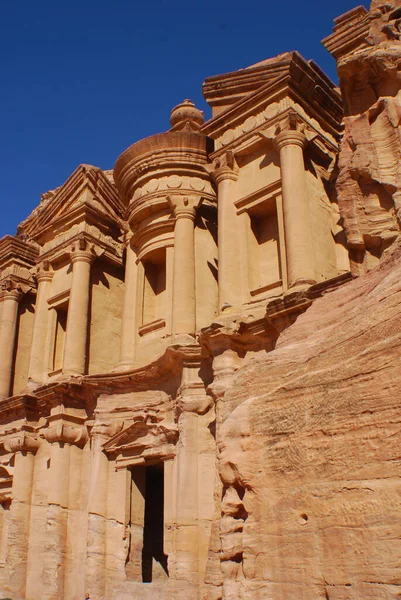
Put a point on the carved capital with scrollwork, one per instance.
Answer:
(225, 167)
(184, 207)
(62, 432)
(43, 272)
(290, 131)
(83, 251)
(11, 290)
(22, 442)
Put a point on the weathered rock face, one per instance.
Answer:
(310, 458)
(367, 47)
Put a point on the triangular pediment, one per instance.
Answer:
(150, 436)
(87, 186)
(274, 83)
(222, 91)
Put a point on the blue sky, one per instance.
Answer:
(84, 80)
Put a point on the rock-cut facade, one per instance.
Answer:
(160, 433)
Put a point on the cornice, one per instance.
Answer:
(25, 407)
(86, 223)
(13, 249)
(56, 206)
(229, 88)
(263, 195)
(241, 143)
(349, 33)
(304, 91)
(151, 197)
(173, 152)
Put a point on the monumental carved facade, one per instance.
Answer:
(131, 298)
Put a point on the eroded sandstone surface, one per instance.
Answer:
(310, 458)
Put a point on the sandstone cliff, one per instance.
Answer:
(310, 458)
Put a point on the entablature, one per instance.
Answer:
(248, 131)
(88, 227)
(350, 32)
(180, 153)
(151, 197)
(16, 261)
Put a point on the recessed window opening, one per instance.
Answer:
(154, 293)
(265, 267)
(59, 339)
(147, 561)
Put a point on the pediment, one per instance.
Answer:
(150, 437)
(269, 88)
(222, 91)
(87, 186)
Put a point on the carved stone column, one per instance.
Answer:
(184, 293)
(24, 446)
(298, 237)
(37, 358)
(128, 330)
(61, 436)
(229, 247)
(10, 297)
(195, 475)
(75, 348)
(97, 513)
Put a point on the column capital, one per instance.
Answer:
(225, 167)
(82, 251)
(10, 290)
(43, 272)
(63, 432)
(184, 207)
(105, 429)
(290, 137)
(22, 442)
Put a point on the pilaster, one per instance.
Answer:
(10, 297)
(75, 352)
(129, 316)
(36, 369)
(97, 510)
(24, 445)
(195, 476)
(62, 433)
(225, 174)
(184, 292)
(291, 142)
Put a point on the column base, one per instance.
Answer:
(300, 285)
(123, 366)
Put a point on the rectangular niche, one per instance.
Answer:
(154, 291)
(264, 250)
(147, 561)
(59, 306)
(265, 244)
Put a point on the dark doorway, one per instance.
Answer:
(154, 561)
